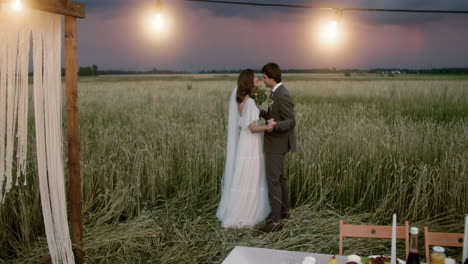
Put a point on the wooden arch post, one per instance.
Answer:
(73, 136)
(71, 11)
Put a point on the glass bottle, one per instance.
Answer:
(438, 256)
(413, 256)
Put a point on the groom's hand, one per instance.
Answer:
(271, 125)
(271, 122)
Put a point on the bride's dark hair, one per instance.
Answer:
(245, 85)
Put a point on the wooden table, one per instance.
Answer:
(249, 255)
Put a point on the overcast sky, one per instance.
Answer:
(212, 36)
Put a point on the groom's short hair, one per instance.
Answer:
(273, 71)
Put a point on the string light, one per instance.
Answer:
(332, 8)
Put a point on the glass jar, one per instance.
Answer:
(438, 256)
(449, 261)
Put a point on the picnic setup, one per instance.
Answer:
(433, 255)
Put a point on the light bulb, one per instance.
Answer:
(16, 5)
(330, 32)
(157, 21)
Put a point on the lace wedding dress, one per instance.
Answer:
(244, 198)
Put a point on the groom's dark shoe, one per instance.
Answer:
(271, 227)
(283, 217)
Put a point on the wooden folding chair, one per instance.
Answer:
(373, 231)
(441, 239)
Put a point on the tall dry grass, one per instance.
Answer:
(368, 148)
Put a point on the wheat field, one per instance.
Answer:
(152, 157)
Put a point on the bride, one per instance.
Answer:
(244, 197)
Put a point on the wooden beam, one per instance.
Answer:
(62, 7)
(74, 183)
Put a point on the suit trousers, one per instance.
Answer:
(277, 185)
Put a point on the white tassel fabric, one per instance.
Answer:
(15, 34)
(14, 60)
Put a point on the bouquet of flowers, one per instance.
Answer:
(260, 95)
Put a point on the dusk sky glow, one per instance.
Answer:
(203, 36)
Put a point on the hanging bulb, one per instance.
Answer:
(16, 5)
(331, 31)
(157, 21)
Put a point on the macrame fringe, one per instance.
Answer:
(15, 34)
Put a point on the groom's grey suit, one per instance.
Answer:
(276, 144)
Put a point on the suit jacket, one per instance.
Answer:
(282, 139)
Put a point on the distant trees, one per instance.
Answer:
(93, 70)
(88, 71)
(127, 72)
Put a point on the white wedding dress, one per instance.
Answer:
(244, 197)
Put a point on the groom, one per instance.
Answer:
(277, 143)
